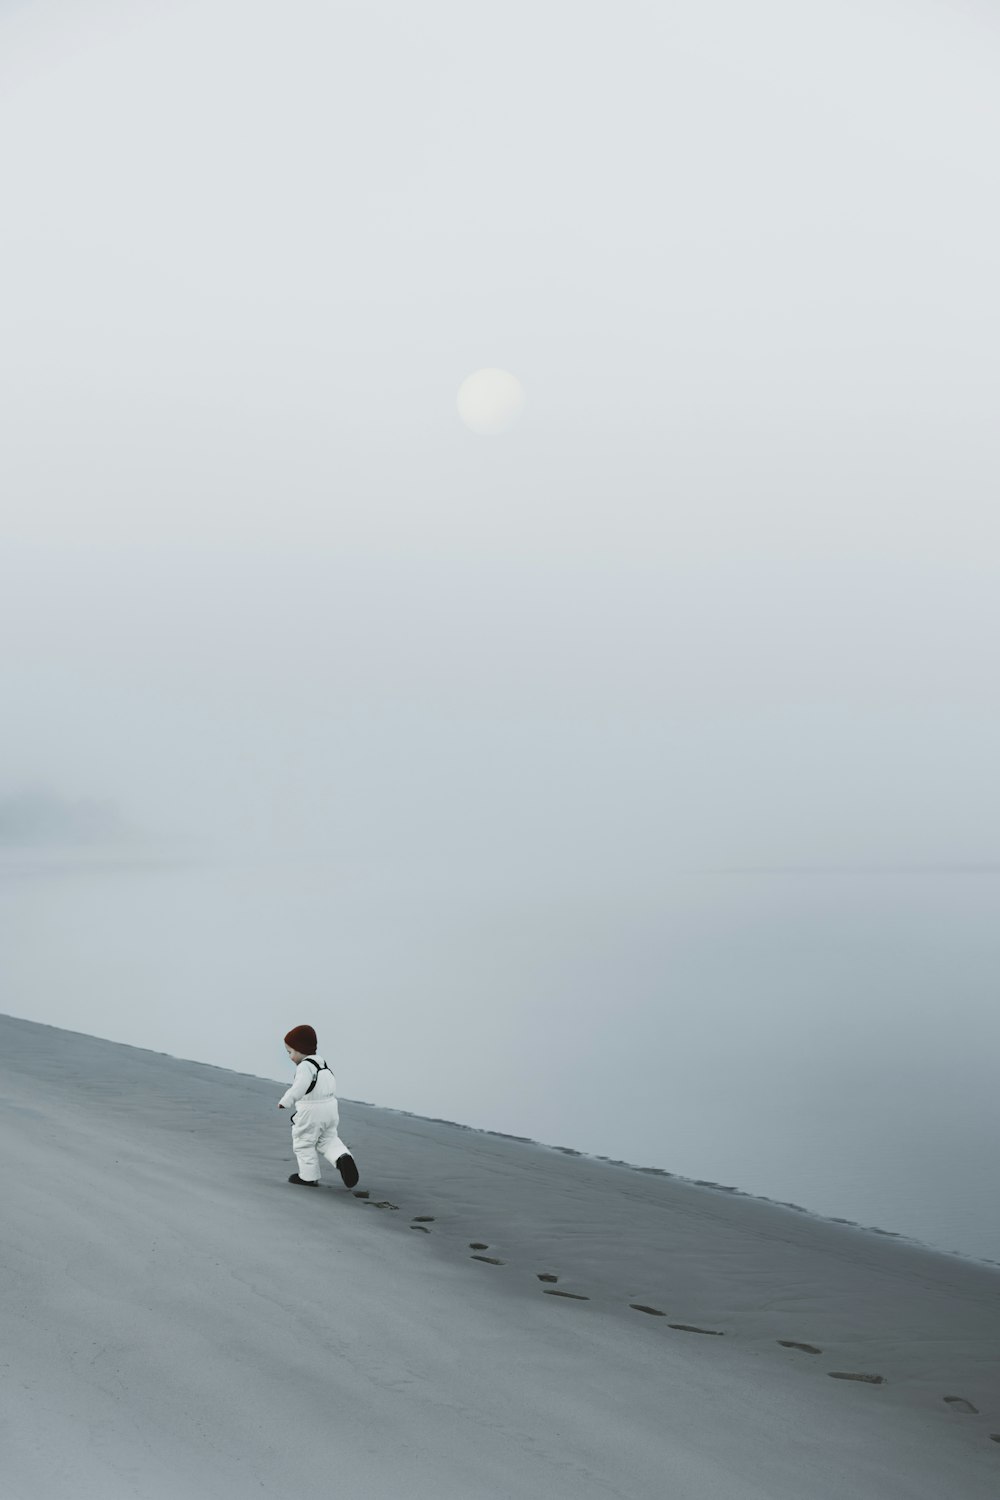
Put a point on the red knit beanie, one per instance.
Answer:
(302, 1039)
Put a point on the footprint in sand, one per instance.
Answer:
(362, 1195)
(383, 1204)
(490, 1260)
(791, 1344)
(546, 1276)
(995, 1437)
(959, 1403)
(690, 1328)
(423, 1218)
(477, 1245)
(575, 1296)
(641, 1307)
(869, 1379)
(422, 1227)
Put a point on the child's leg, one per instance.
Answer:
(334, 1150)
(327, 1114)
(331, 1145)
(304, 1137)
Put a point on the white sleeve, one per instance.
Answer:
(303, 1077)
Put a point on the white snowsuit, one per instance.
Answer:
(316, 1117)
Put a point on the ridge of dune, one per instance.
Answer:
(699, 1182)
(571, 1151)
(483, 1316)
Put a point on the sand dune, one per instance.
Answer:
(495, 1319)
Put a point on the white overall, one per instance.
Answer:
(316, 1118)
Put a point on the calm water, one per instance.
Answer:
(828, 1039)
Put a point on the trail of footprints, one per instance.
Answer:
(419, 1222)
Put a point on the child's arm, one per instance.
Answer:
(304, 1075)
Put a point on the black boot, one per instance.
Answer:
(347, 1167)
(301, 1181)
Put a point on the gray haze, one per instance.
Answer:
(725, 598)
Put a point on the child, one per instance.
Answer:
(316, 1116)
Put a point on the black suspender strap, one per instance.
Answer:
(313, 1063)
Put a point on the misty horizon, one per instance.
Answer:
(570, 761)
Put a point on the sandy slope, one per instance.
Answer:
(177, 1320)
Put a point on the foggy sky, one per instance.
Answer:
(727, 593)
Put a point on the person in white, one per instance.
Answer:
(316, 1116)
